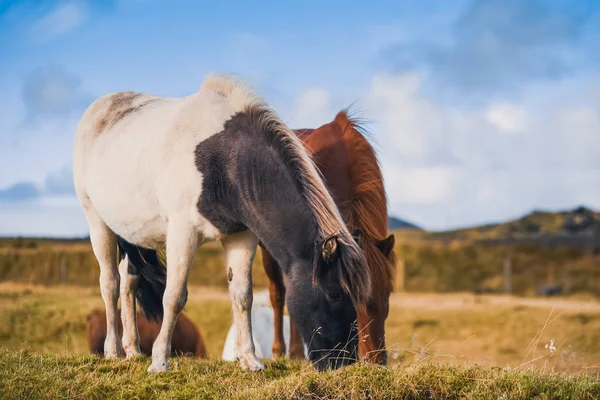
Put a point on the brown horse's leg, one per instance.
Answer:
(277, 295)
(371, 337)
(296, 346)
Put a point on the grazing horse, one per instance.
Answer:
(186, 338)
(352, 175)
(218, 164)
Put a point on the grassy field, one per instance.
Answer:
(450, 344)
(27, 375)
(452, 328)
(441, 346)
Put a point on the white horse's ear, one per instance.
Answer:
(329, 249)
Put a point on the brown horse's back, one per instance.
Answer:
(186, 338)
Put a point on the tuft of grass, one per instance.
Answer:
(25, 374)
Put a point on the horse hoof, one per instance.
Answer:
(278, 351)
(111, 355)
(157, 367)
(133, 355)
(132, 351)
(251, 363)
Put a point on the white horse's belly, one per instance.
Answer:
(136, 217)
(122, 191)
(143, 230)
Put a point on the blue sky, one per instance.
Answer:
(480, 110)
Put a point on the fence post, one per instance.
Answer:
(399, 281)
(566, 279)
(63, 269)
(507, 276)
(551, 277)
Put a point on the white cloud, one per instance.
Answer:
(579, 129)
(65, 17)
(312, 108)
(413, 127)
(35, 219)
(51, 91)
(507, 117)
(60, 201)
(446, 166)
(418, 185)
(30, 154)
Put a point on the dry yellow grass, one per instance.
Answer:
(441, 346)
(444, 328)
(28, 375)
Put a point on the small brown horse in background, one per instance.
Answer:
(353, 177)
(186, 338)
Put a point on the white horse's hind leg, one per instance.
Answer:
(129, 285)
(104, 245)
(182, 243)
(239, 253)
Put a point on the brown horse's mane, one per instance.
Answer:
(368, 211)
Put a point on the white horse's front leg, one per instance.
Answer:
(182, 243)
(129, 286)
(239, 253)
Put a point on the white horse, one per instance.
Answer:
(216, 165)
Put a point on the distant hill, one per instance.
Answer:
(580, 222)
(397, 223)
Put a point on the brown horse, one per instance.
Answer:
(353, 177)
(186, 338)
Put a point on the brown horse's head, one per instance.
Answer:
(365, 210)
(353, 177)
(371, 318)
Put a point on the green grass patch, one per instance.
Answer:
(25, 374)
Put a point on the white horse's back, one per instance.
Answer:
(134, 160)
